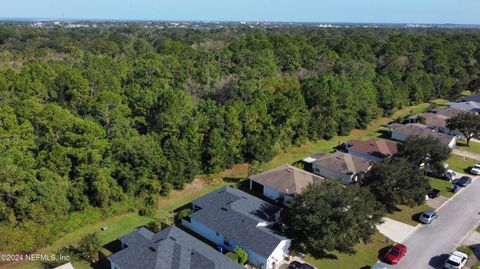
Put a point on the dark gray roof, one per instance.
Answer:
(171, 248)
(236, 214)
(473, 97)
(469, 106)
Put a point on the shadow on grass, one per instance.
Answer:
(416, 217)
(113, 246)
(382, 252)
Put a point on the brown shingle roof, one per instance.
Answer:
(287, 179)
(342, 162)
(447, 112)
(416, 129)
(431, 119)
(374, 147)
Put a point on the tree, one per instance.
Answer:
(89, 247)
(241, 254)
(396, 181)
(467, 123)
(331, 217)
(425, 151)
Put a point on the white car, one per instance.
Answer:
(475, 169)
(456, 260)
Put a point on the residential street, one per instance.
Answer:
(430, 245)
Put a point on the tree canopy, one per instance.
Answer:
(467, 123)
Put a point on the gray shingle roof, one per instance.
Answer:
(469, 106)
(420, 130)
(342, 162)
(287, 179)
(235, 215)
(473, 97)
(171, 248)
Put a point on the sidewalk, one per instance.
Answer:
(467, 154)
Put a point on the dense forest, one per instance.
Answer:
(93, 118)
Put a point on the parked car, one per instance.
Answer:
(475, 169)
(463, 181)
(395, 253)
(433, 193)
(456, 260)
(428, 216)
(299, 265)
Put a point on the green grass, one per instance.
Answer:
(478, 229)
(466, 250)
(460, 164)
(409, 215)
(367, 254)
(123, 224)
(474, 147)
(444, 186)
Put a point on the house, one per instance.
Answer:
(373, 149)
(473, 97)
(402, 131)
(169, 248)
(229, 218)
(447, 112)
(469, 106)
(432, 120)
(65, 266)
(339, 165)
(283, 182)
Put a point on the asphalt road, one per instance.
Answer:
(431, 244)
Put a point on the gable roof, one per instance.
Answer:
(420, 130)
(447, 112)
(342, 162)
(237, 215)
(374, 147)
(171, 248)
(465, 106)
(473, 97)
(432, 119)
(287, 179)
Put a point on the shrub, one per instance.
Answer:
(242, 255)
(183, 214)
(89, 246)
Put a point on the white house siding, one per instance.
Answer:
(365, 156)
(279, 253)
(453, 142)
(270, 193)
(204, 231)
(218, 239)
(325, 172)
(398, 136)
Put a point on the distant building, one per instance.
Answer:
(169, 248)
(283, 182)
(65, 266)
(469, 106)
(401, 132)
(229, 218)
(373, 149)
(473, 97)
(339, 165)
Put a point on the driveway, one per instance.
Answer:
(467, 154)
(430, 245)
(395, 230)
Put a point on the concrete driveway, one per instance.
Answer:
(467, 154)
(429, 246)
(395, 230)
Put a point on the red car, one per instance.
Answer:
(395, 253)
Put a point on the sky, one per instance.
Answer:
(359, 11)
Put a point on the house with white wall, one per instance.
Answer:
(229, 218)
(169, 248)
(401, 132)
(283, 182)
(339, 165)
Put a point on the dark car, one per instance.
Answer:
(299, 265)
(433, 193)
(395, 253)
(463, 181)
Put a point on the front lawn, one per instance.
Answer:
(474, 147)
(460, 164)
(367, 254)
(444, 186)
(409, 215)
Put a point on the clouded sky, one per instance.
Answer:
(384, 11)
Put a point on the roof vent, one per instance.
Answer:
(289, 170)
(224, 209)
(173, 238)
(152, 249)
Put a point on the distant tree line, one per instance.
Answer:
(90, 118)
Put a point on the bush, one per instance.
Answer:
(183, 214)
(154, 225)
(242, 255)
(89, 247)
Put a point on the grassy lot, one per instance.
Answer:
(474, 147)
(444, 186)
(367, 254)
(460, 164)
(409, 215)
(123, 224)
